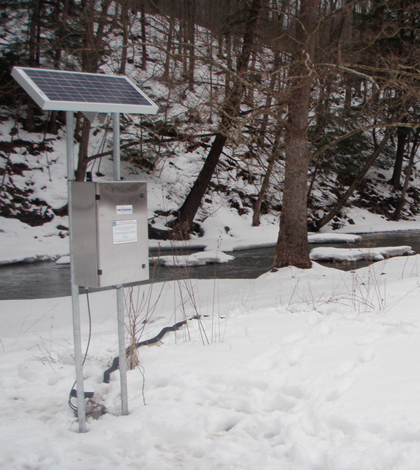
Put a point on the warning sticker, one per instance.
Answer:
(124, 210)
(124, 231)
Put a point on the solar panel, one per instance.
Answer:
(77, 91)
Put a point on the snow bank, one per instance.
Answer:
(20, 242)
(358, 254)
(195, 259)
(333, 238)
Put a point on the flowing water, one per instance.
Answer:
(47, 279)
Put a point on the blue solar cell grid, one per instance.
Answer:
(87, 88)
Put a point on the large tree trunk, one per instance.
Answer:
(230, 112)
(292, 243)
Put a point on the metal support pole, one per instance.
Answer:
(120, 289)
(81, 412)
(116, 149)
(121, 347)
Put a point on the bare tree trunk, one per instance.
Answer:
(292, 244)
(61, 29)
(399, 158)
(35, 33)
(183, 34)
(78, 127)
(269, 100)
(228, 47)
(191, 42)
(143, 36)
(91, 55)
(210, 54)
(166, 75)
(342, 200)
(266, 180)
(349, 91)
(59, 38)
(34, 48)
(397, 213)
(83, 161)
(230, 112)
(93, 34)
(124, 25)
(261, 140)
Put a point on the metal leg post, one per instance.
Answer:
(81, 412)
(122, 353)
(120, 289)
(116, 146)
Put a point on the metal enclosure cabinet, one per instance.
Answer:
(110, 234)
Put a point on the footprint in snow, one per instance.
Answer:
(339, 388)
(366, 355)
(345, 368)
(294, 355)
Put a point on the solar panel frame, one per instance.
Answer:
(58, 90)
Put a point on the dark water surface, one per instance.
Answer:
(46, 279)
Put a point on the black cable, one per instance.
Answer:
(116, 362)
(73, 392)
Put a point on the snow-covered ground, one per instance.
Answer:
(298, 369)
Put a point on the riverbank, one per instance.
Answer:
(48, 279)
(226, 231)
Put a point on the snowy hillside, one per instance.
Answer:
(168, 151)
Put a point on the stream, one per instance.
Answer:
(47, 279)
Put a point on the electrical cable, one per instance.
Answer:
(73, 391)
(115, 363)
